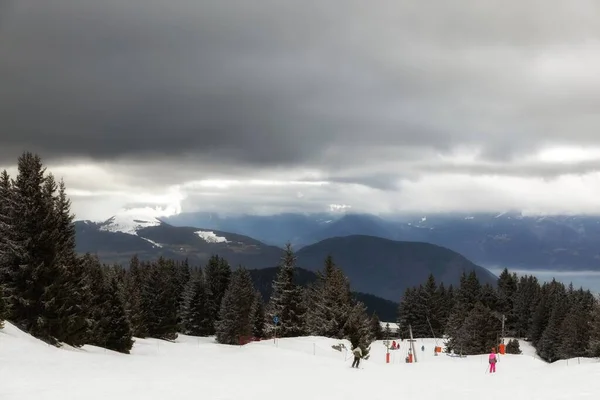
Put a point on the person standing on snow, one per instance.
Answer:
(493, 360)
(357, 356)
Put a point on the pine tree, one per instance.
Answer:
(116, 328)
(109, 327)
(410, 312)
(432, 307)
(376, 330)
(33, 270)
(195, 314)
(287, 302)
(525, 300)
(217, 275)
(8, 247)
(479, 332)
(507, 291)
(135, 282)
(576, 329)
(358, 329)
(258, 328)
(593, 347)
(160, 300)
(237, 309)
(446, 303)
(330, 301)
(183, 277)
(2, 308)
(66, 299)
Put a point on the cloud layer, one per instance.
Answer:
(389, 103)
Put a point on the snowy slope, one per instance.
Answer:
(294, 369)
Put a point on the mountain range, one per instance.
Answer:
(374, 265)
(509, 239)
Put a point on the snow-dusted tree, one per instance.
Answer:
(594, 325)
(35, 273)
(286, 300)
(217, 275)
(195, 319)
(160, 300)
(2, 308)
(258, 330)
(110, 327)
(376, 330)
(7, 243)
(134, 284)
(237, 309)
(66, 299)
(183, 277)
(330, 302)
(478, 333)
(116, 327)
(358, 329)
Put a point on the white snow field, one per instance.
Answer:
(293, 369)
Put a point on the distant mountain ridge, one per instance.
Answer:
(117, 239)
(374, 265)
(508, 239)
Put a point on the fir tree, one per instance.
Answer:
(593, 347)
(66, 299)
(110, 327)
(358, 329)
(195, 313)
(525, 300)
(479, 332)
(8, 248)
(410, 312)
(258, 328)
(217, 275)
(183, 277)
(513, 347)
(387, 332)
(34, 271)
(330, 301)
(116, 328)
(507, 291)
(160, 300)
(2, 308)
(134, 283)
(376, 330)
(237, 309)
(286, 300)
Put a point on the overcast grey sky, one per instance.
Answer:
(273, 105)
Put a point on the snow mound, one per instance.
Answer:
(211, 237)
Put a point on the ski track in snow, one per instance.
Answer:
(295, 369)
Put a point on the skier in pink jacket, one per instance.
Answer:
(493, 360)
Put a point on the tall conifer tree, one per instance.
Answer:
(237, 310)
(286, 300)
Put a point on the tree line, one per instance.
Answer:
(560, 321)
(58, 296)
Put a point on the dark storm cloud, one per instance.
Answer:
(286, 83)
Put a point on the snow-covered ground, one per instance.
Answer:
(298, 368)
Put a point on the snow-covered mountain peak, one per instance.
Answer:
(129, 223)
